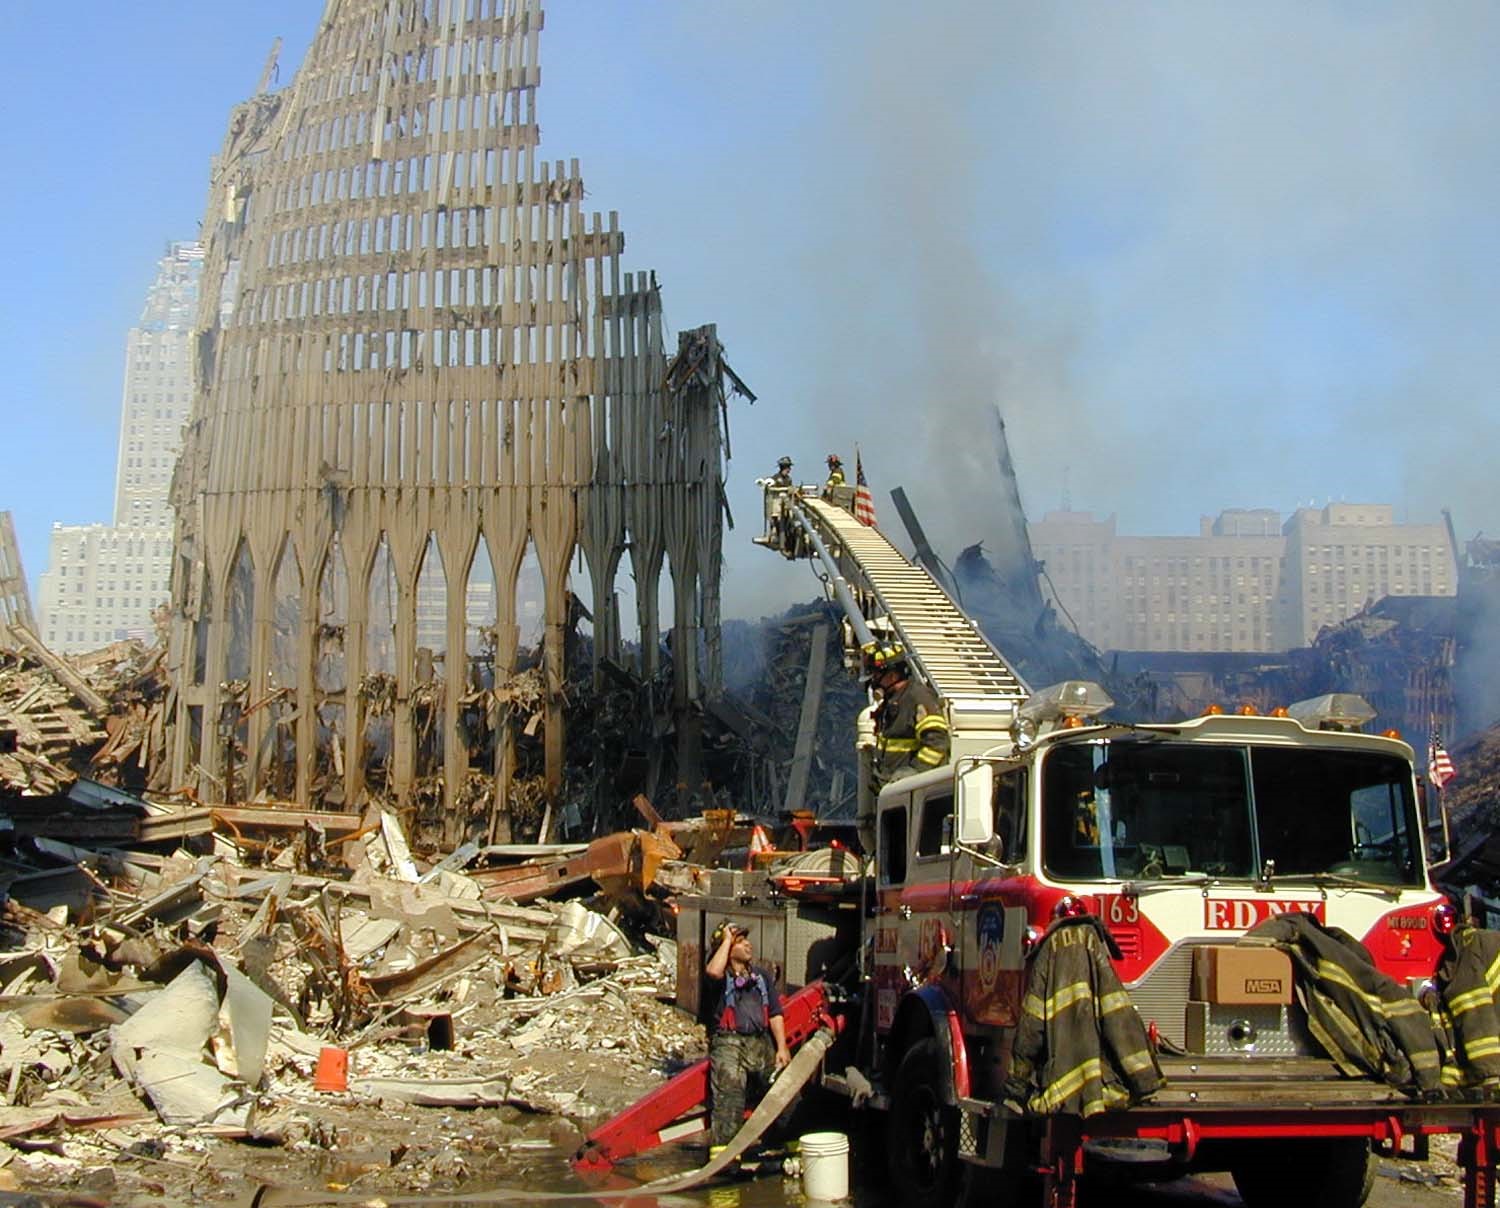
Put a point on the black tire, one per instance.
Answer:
(921, 1131)
(1336, 1173)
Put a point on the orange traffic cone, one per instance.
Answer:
(760, 843)
(332, 1073)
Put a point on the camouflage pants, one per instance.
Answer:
(736, 1063)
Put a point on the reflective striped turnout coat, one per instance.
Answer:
(1470, 981)
(1081, 1048)
(1367, 1022)
(911, 732)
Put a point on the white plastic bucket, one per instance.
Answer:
(825, 1166)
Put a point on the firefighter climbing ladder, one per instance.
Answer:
(947, 648)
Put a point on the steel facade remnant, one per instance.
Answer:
(414, 344)
(15, 598)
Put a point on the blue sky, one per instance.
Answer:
(1204, 255)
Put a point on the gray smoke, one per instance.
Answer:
(1204, 255)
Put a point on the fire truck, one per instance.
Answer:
(1178, 838)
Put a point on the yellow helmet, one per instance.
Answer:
(723, 929)
(878, 656)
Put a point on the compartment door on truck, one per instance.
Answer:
(991, 959)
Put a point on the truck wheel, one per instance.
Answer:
(921, 1131)
(1337, 1173)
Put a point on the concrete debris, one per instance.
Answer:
(177, 996)
(436, 1092)
(173, 966)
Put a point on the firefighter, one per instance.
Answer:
(835, 475)
(911, 731)
(783, 475)
(749, 1040)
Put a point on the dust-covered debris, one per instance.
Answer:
(181, 1002)
(174, 966)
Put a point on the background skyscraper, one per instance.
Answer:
(102, 581)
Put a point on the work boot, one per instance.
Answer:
(715, 1150)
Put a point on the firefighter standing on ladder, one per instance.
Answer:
(911, 732)
(835, 475)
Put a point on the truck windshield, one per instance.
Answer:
(1133, 810)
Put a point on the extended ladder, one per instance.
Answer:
(947, 648)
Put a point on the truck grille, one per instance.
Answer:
(1128, 940)
(1161, 996)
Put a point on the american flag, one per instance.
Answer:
(1440, 768)
(864, 502)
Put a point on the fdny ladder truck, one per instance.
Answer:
(1177, 838)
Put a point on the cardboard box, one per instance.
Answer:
(1223, 973)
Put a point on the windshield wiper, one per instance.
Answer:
(1325, 879)
(1136, 888)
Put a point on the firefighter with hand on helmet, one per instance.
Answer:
(749, 1038)
(911, 730)
(835, 474)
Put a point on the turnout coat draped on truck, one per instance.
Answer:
(1366, 1021)
(1081, 1048)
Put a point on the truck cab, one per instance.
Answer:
(1174, 837)
(1178, 839)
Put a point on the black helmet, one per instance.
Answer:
(784, 464)
(834, 460)
(724, 928)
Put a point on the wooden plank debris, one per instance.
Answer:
(65, 674)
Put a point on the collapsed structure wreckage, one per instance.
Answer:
(417, 356)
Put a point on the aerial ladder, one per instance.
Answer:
(887, 598)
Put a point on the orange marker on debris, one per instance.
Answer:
(332, 1073)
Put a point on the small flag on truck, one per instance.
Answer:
(1440, 769)
(864, 502)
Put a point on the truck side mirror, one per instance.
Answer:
(976, 804)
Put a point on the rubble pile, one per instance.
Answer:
(830, 779)
(1399, 654)
(191, 998)
(181, 975)
(1474, 793)
(621, 739)
(98, 713)
(1472, 799)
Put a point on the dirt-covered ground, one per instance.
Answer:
(351, 1142)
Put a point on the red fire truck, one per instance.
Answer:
(1178, 838)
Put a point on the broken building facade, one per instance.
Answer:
(417, 359)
